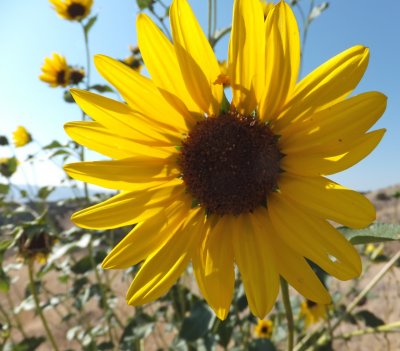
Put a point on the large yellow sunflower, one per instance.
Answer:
(55, 71)
(220, 185)
(72, 10)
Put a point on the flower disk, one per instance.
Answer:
(230, 163)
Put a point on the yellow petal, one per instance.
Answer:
(255, 260)
(120, 118)
(282, 52)
(132, 173)
(336, 126)
(328, 200)
(147, 237)
(314, 238)
(295, 269)
(163, 267)
(213, 265)
(321, 164)
(328, 84)
(246, 55)
(141, 94)
(161, 62)
(197, 60)
(94, 136)
(128, 207)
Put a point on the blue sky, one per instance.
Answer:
(31, 30)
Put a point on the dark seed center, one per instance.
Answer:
(264, 330)
(230, 163)
(76, 76)
(61, 77)
(76, 10)
(311, 304)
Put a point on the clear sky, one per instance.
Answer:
(31, 30)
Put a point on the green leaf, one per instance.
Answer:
(262, 345)
(28, 344)
(3, 140)
(68, 97)
(82, 266)
(144, 4)
(102, 88)
(45, 191)
(369, 318)
(106, 345)
(92, 20)
(54, 144)
(317, 11)
(375, 233)
(4, 281)
(197, 323)
(4, 188)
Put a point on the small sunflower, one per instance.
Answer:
(55, 71)
(264, 329)
(21, 136)
(72, 10)
(220, 185)
(36, 245)
(312, 312)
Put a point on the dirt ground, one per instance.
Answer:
(383, 302)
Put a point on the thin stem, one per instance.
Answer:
(385, 328)
(87, 52)
(37, 305)
(161, 20)
(289, 313)
(218, 36)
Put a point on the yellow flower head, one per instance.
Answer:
(35, 245)
(55, 71)
(312, 312)
(21, 137)
(264, 329)
(221, 185)
(72, 10)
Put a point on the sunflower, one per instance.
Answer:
(219, 184)
(312, 312)
(267, 6)
(21, 136)
(264, 329)
(55, 71)
(72, 10)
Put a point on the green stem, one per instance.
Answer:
(209, 20)
(218, 36)
(289, 313)
(87, 53)
(385, 328)
(37, 305)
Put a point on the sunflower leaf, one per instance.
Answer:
(90, 23)
(102, 88)
(375, 233)
(197, 323)
(369, 318)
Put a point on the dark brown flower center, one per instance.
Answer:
(61, 77)
(230, 163)
(76, 76)
(76, 10)
(311, 304)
